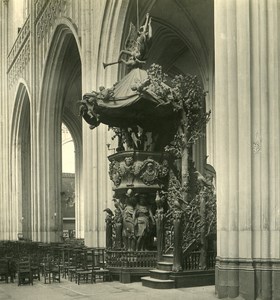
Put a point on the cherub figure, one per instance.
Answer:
(88, 109)
(105, 94)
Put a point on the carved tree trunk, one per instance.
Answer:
(185, 155)
(159, 217)
(203, 240)
(178, 230)
(178, 251)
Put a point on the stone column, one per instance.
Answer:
(101, 36)
(5, 230)
(247, 148)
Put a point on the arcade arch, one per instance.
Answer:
(61, 88)
(20, 204)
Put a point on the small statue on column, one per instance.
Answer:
(109, 226)
(118, 224)
(143, 219)
(159, 219)
(129, 222)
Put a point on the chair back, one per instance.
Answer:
(24, 266)
(4, 266)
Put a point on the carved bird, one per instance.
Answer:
(108, 211)
(129, 193)
(177, 204)
(158, 200)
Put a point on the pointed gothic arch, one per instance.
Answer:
(20, 204)
(61, 88)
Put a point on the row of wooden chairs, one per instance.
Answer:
(55, 261)
(86, 264)
(9, 269)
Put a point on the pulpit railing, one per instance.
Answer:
(131, 259)
(192, 260)
(211, 259)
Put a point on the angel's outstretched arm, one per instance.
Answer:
(124, 52)
(150, 33)
(145, 26)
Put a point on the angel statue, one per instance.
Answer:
(136, 45)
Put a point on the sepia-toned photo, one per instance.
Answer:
(139, 149)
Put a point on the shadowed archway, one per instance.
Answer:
(61, 89)
(20, 206)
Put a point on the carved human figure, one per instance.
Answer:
(105, 94)
(109, 225)
(144, 218)
(136, 45)
(137, 49)
(118, 224)
(149, 172)
(159, 219)
(88, 109)
(129, 222)
(126, 170)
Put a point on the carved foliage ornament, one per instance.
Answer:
(47, 18)
(19, 65)
(114, 172)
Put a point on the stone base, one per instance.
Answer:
(249, 279)
(128, 275)
(157, 283)
(193, 278)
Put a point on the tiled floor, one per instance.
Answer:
(100, 291)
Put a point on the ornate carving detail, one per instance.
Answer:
(164, 169)
(21, 48)
(177, 215)
(39, 6)
(127, 170)
(46, 15)
(136, 45)
(133, 222)
(149, 171)
(114, 172)
(109, 228)
(19, 65)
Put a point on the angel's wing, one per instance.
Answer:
(130, 41)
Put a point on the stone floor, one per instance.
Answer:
(100, 291)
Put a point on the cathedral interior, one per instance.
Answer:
(140, 143)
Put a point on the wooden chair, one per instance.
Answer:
(35, 267)
(78, 264)
(69, 262)
(99, 270)
(12, 267)
(4, 269)
(88, 266)
(51, 271)
(24, 272)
